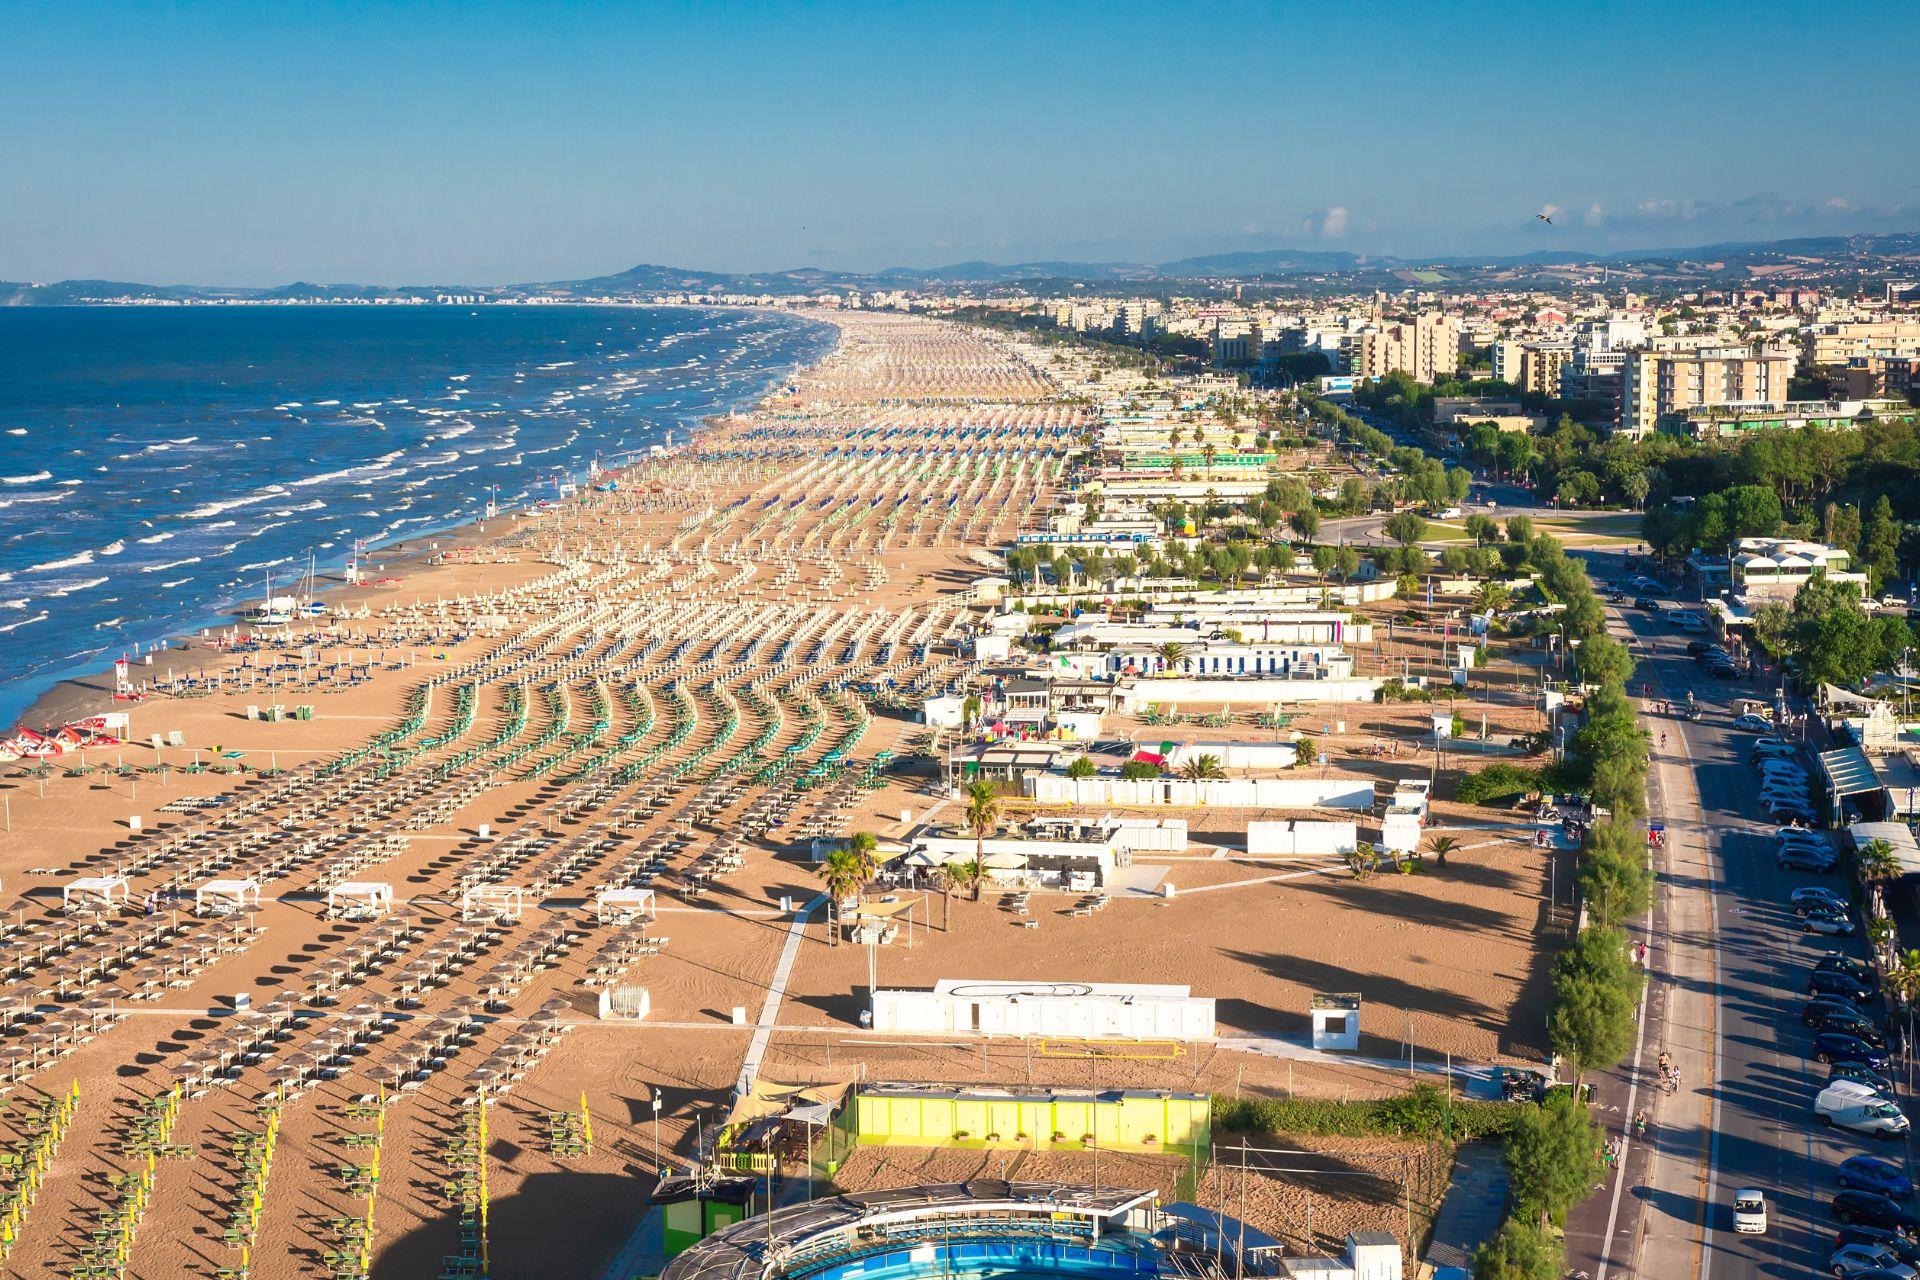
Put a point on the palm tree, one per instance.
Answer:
(1208, 453)
(983, 814)
(943, 881)
(969, 710)
(1170, 653)
(1204, 766)
(863, 845)
(1441, 846)
(967, 875)
(1903, 979)
(1876, 860)
(845, 874)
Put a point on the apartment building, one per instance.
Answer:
(1424, 348)
(1841, 343)
(1540, 366)
(1657, 384)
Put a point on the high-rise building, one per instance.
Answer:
(1425, 348)
(1540, 366)
(1659, 383)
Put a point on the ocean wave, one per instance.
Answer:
(21, 603)
(24, 622)
(158, 537)
(174, 564)
(73, 588)
(217, 508)
(71, 562)
(176, 582)
(113, 548)
(35, 478)
(223, 524)
(33, 497)
(264, 564)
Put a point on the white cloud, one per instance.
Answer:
(1333, 222)
(1595, 214)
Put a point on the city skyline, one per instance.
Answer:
(410, 145)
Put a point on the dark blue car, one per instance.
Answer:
(1871, 1173)
(1834, 1046)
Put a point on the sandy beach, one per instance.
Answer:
(646, 688)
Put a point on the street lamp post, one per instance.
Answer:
(656, 1132)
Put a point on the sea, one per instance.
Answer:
(159, 464)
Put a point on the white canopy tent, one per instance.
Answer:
(360, 897)
(493, 901)
(95, 892)
(222, 896)
(623, 904)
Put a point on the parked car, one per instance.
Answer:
(1864, 1074)
(1800, 858)
(1724, 671)
(1908, 1251)
(1871, 1173)
(1751, 723)
(1830, 1013)
(1695, 648)
(1837, 1046)
(1867, 1262)
(1809, 895)
(1824, 920)
(1644, 602)
(1831, 982)
(1873, 1210)
(1788, 811)
(1859, 970)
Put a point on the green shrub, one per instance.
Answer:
(1496, 782)
(1421, 1112)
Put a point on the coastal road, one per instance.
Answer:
(1731, 968)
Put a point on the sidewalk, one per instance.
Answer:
(1612, 1232)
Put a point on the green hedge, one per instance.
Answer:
(1421, 1112)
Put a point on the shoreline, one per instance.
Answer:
(89, 691)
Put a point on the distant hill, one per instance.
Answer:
(1831, 260)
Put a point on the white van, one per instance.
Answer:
(1849, 1104)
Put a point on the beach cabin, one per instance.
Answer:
(1336, 1021)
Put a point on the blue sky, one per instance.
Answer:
(489, 143)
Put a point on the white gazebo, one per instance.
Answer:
(622, 904)
(360, 898)
(221, 897)
(97, 893)
(493, 902)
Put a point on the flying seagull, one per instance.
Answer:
(1544, 218)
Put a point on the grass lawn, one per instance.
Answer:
(1611, 527)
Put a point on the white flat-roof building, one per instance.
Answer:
(1067, 1009)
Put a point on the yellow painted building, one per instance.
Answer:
(1037, 1119)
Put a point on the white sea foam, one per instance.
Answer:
(113, 548)
(85, 557)
(175, 582)
(217, 508)
(174, 564)
(16, 431)
(35, 478)
(72, 588)
(24, 622)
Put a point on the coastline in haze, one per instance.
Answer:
(156, 464)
